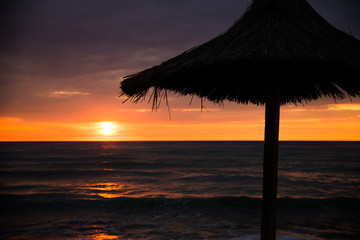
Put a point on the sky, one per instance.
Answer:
(61, 63)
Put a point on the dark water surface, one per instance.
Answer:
(175, 190)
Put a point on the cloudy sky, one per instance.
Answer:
(61, 62)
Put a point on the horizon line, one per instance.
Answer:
(34, 141)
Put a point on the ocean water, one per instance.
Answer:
(175, 190)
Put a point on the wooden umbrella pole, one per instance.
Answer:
(270, 165)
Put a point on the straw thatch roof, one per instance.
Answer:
(281, 43)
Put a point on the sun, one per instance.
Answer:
(107, 128)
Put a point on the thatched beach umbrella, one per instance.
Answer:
(279, 52)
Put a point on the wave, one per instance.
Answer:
(175, 218)
(178, 203)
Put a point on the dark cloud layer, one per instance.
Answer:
(73, 37)
(65, 44)
(77, 33)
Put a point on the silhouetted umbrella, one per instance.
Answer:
(279, 52)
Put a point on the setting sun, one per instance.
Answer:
(107, 128)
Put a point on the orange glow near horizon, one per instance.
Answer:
(328, 122)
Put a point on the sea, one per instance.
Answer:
(175, 190)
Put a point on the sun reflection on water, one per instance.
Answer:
(107, 190)
(106, 187)
(103, 236)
